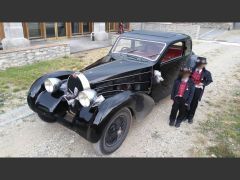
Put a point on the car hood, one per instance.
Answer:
(115, 69)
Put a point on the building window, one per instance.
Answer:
(86, 27)
(113, 26)
(81, 28)
(61, 29)
(34, 30)
(50, 30)
(54, 30)
(110, 27)
(75, 27)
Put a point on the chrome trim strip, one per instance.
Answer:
(121, 91)
(111, 91)
(123, 77)
(140, 40)
(84, 81)
(100, 88)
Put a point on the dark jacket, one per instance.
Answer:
(189, 92)
(206, 79)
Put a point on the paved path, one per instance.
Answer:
(15, 114)
(210, 33)
(77, 44)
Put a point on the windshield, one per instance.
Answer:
(140, 48)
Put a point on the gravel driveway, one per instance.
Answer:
(151, 137)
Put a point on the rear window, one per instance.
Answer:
(173, 52)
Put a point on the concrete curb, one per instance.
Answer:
(15, 114)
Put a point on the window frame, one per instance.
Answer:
(186, 47)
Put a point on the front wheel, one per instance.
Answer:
(114, 132)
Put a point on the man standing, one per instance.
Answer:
(182, 94)
(120, 28)
(201, 78)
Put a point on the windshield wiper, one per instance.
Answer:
(132, 51)
(131, 56)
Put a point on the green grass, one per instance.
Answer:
(15, 81)
(20, 78)
(225, 126)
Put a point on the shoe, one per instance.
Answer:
(171, 123)
(177, 125)
(190, 121)
(184, 119)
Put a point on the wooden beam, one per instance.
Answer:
(25, 30)
(42, 30)
(69, 29)
(2, 35)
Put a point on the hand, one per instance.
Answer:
(186, 104)
(200, 84)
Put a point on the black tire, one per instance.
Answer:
(114, 132)
(47, 118)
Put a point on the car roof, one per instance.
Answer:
(165, 37)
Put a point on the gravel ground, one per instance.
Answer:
(151, 137)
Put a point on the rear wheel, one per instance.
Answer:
(115, 132)
(46, 118)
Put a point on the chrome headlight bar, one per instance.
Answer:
(87, 97)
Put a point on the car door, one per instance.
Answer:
(169, 64)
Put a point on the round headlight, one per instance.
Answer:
(86, 97)
(52, 84)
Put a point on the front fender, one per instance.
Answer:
(37, 87)
(139, 103)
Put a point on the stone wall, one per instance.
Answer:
(186, 28)
(23, 56)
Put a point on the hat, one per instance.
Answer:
(201, 60)
(186, 70)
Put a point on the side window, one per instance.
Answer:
(188, 48)
(174, 51)
(123, 45)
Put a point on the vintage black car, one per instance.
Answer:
(100, 101)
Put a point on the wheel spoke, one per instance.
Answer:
(115, 131)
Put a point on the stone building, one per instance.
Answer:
(18, 34)
(16, 37)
